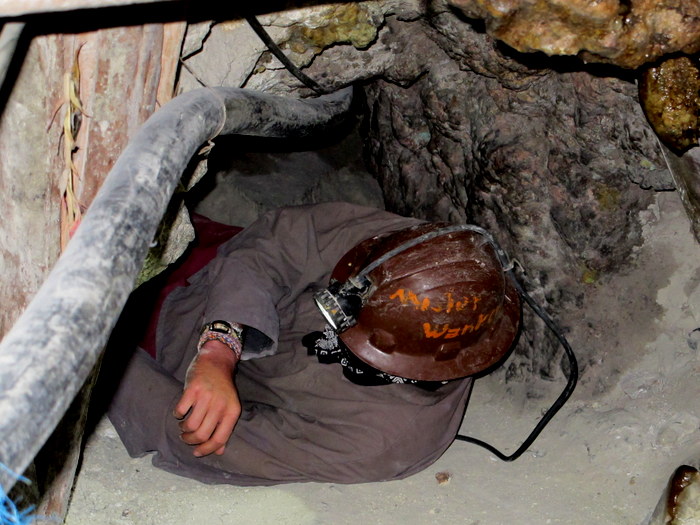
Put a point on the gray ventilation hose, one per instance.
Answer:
(51, 349)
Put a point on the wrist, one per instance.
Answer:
(217, 352)
(222, 332)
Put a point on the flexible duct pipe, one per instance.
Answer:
(51, 349)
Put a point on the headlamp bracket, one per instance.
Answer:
(341, 302)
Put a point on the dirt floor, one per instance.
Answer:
(604, 459)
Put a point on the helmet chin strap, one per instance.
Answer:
(558, 403)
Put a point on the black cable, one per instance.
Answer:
(275, 50)
(565, 394)
(509, 270)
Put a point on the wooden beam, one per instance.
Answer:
(14, 8)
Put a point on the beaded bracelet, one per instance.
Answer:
(233, 342)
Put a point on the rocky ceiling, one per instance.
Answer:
(523, 116)
(627, 33)
(660, 38)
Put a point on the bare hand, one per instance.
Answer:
(209, 406)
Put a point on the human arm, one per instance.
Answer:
(209, 407)
(267, 267)
(255, 279)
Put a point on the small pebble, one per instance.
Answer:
(443, 478)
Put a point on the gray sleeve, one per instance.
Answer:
(263, 270)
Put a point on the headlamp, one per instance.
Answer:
(341, 303)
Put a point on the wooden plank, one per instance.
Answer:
(120, 79)
(9, 8)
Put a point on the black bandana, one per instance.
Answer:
(328, 348)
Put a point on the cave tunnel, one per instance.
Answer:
(568, 131)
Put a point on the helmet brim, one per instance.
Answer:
(491, 348)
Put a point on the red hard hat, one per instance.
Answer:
(439, 310)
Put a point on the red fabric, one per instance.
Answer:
(208, 236)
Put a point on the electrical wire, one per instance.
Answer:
(508, 268)
(277, 52)
(558, 403)
(9, 513)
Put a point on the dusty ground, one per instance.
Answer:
(604, 459)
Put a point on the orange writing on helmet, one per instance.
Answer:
(439, 310)
(450, 304)
(448, 332)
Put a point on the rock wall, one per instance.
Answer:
(554, 156)
(557, 163)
